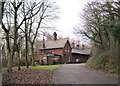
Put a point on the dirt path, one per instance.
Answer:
(79, 74)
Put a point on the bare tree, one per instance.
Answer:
(12, 15)
(48, 11)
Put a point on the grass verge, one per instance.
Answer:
(46, 67)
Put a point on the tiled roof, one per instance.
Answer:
(59, 43)
(79, 51)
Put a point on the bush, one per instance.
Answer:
(98, 61)
(113, 68)
(103, 62)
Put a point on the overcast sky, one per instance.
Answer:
(70, 11)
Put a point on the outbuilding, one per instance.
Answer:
(80, 56)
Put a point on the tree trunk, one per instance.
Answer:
(9, 55)
(32, 54)
(9, 61)
(26, 54)
(18, 60)
(118, 57)
(26, 47)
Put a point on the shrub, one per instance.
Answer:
(103, 62)
(98, 61)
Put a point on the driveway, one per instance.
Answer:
(79, 74)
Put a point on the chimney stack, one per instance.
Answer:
(43, 41)
(77, 46)
(55, 36)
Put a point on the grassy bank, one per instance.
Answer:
(102, 62)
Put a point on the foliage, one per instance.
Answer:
(97, 62)
(103, 62)
(46, 67)
(102, 27)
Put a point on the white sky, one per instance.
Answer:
(69, 16)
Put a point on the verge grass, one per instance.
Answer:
(45, 67)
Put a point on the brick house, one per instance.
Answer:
(54, 51)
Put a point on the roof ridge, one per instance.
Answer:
(57, 39)
(55, 43)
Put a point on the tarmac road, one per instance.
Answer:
(80, 74)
